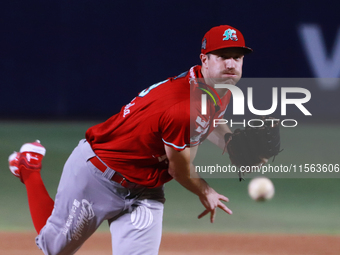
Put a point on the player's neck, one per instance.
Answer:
(221, 92)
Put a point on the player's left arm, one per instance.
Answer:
(218, 134)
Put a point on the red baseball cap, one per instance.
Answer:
(223, 36)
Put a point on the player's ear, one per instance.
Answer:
(204, 59)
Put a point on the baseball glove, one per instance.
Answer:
(253, 146)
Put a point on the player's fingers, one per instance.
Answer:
(212, 215)
(221, 197)
(225, 208)
(203, 214)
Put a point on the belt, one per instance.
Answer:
(117, 177)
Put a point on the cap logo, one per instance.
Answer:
(230, 34)
(204, 44)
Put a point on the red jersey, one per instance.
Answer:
(132, 141)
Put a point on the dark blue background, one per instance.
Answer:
(85, 59)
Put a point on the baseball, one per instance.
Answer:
(261, 189)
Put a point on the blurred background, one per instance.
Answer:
(67, 65)
(84, 59)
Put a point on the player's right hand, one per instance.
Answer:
(211, 201)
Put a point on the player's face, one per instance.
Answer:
(223, 66)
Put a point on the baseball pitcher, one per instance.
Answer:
(118, 171)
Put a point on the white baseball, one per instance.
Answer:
(261, 189)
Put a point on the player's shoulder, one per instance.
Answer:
(180, 81)
(181, 76)
(172, 92)
(176, 88)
